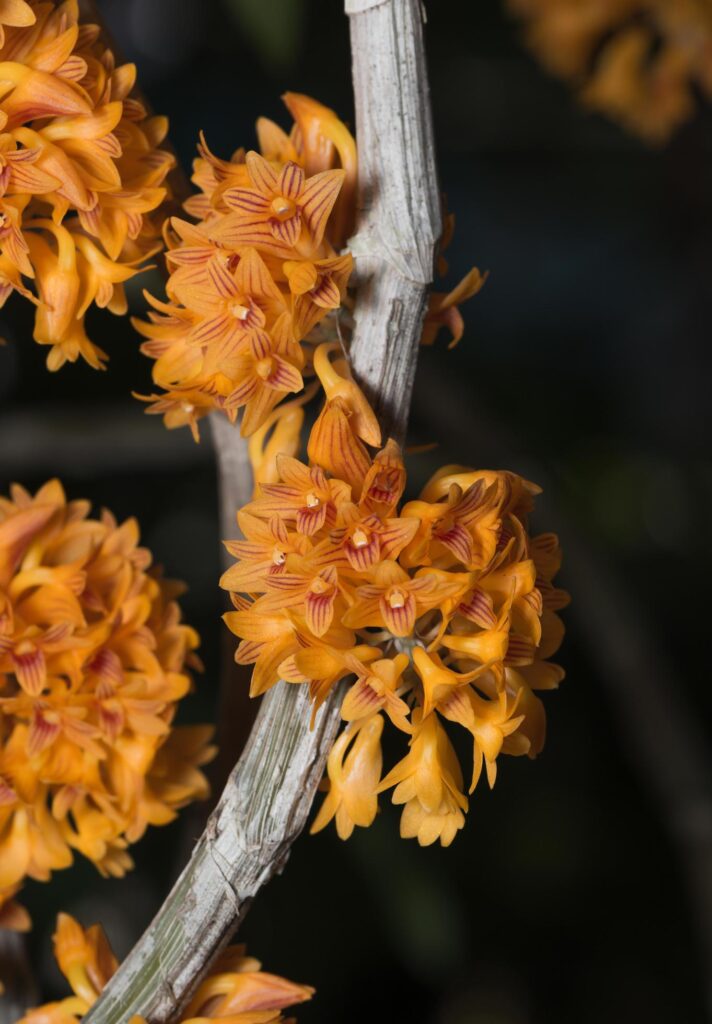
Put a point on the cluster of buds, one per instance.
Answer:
(236, 990)
(93, 662)
(442, 610)
(257, 274)
(81, 172)
(638, 61)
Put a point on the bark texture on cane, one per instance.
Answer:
(234, 476)
(399, 220)
(268, 796)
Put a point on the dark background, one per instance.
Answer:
(580, 888)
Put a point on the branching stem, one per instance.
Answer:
(268, 796)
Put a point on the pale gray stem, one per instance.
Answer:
(267, 799)
(236, 711)
(399, 222)
(15, 974)
(234, 476)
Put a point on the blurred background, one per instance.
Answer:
(581, 887)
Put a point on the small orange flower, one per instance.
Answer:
(277, 208)
(429, 782)
(353, 768)
(376, 689)
(304, 496)
(345, 425)
(393, 599)
(262, 554)
(443, 310)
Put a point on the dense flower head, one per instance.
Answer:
(236, 989)
(438, 611)
(81, 173)
(94, 659)
(639, 61)
(257, 273)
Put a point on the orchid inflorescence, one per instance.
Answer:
(94, 660)
(641, 62)
(236, 989)
(257, 283)
(81, 173)
(257, 274)
(442, 610)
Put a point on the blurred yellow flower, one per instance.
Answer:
(641, 62)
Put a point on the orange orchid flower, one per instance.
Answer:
(321, 139)
(304, 496)
(268, 639)
(428, 781)
(353, 769)
(360, 541)
(393, 599)
(322, 665)
(278, 207)
(462, 529)
(376, 689)
(443, 309)
(262, 554)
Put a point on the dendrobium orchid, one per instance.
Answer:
(442, 612)
(257, 275)
(438, 611)
(94, 660)
(82, 174)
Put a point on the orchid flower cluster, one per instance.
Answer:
(257, 274)
(94, 660)
(640, 62)
(81, 173)
(438, 611)
(236, 990)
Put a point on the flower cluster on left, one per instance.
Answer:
(236, 990)
(94, 659)
(81, 172)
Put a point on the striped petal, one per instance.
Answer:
(317, 201)
(262, 174)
